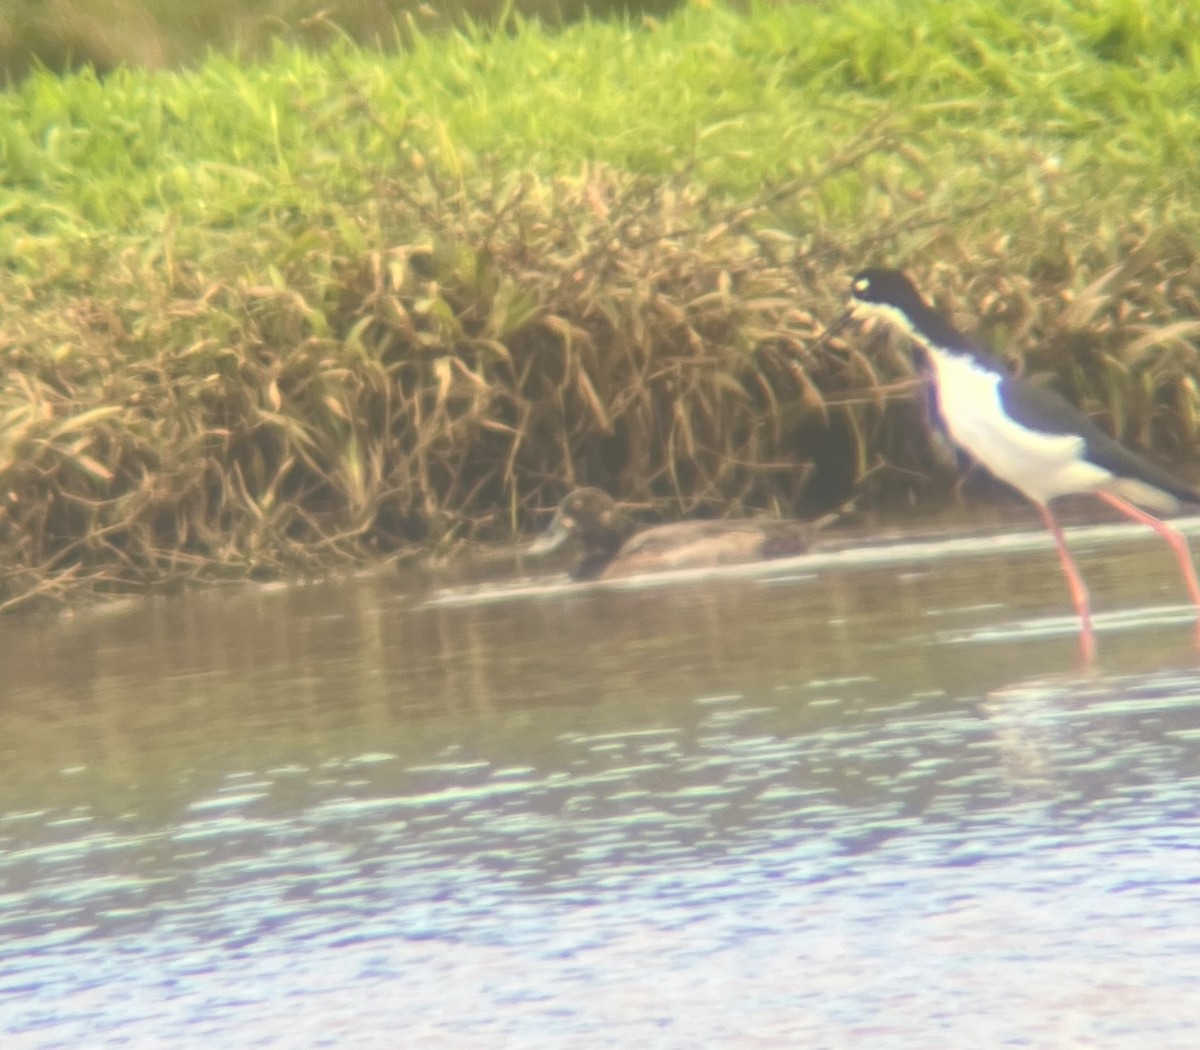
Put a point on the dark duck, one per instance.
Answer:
(613, 546)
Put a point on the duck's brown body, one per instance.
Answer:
(612, 547)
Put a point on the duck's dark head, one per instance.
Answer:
(590, 516)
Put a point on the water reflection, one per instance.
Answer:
(861, 802)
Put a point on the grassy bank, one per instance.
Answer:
(61, 35)
(262, 318)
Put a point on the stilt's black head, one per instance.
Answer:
(891, 296)
(888, 289)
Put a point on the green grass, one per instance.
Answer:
(152, 34)
(1045, 103)
(231, 293)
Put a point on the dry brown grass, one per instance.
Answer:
(492, 346)
(267, 318)
(442, 362)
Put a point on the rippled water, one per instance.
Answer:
(856, 799)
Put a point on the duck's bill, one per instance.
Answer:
(554, 537)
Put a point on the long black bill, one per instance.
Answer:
(831, 331)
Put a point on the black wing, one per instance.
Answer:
(1042, 409)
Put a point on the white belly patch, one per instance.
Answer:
(1039, 465)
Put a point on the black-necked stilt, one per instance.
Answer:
(1026, 434)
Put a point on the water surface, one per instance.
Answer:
(859, 798)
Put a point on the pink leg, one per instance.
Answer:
(1176, 540)
(1079, 591)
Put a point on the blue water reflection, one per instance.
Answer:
(837, 807)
